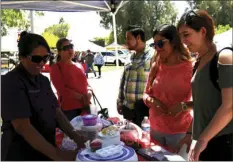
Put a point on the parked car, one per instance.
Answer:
(110, 58)
(5, 61)
(12, 56)
(46, 68)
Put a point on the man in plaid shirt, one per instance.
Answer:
(130, 103)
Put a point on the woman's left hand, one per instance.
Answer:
(79, 138)
(89, 94)
(199, 147)
(175, 109)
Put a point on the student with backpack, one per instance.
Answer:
(212, 84)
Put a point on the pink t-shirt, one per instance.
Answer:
(172, 85)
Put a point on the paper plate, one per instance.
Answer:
(126, 153)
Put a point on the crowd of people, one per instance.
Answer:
(164, 83)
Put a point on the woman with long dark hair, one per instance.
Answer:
(168, 88)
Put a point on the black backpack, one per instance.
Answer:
(213, 68)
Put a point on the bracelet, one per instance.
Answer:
(184, 106)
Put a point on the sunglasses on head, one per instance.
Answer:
(67, 47)
(159, 43)
(38, 59)
(190, 16)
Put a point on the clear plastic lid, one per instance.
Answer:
(145, 117)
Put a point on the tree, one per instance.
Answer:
(222, 29)
(147, 14)
(51, 39)
(13, 18)
(60, 30)
(99, 41)
(220, 10)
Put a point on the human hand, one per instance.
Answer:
(158, 105)
(186, 140)
(66, 155)
(85, 100)
(119, 108)
(89, 94)
(78, 138)
(175, 109)
(199, 147)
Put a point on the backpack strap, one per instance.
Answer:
(214, 68)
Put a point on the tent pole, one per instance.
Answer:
(0, 27)
(32, 21)
(115, 38)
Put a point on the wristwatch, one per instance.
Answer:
(184, 106)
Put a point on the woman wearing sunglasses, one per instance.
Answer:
(168, 89)
(70, 81)
(30, 111)
(213, 124)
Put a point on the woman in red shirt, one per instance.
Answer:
(169, 88)
(70, 81)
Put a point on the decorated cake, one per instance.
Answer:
(110, 136)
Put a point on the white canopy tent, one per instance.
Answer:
(113, 46)
(67, 6)
(84, 46)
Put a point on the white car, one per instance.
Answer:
(110, 58)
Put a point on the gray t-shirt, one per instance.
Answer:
(207, 99)
(90, 59)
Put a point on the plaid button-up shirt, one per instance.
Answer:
(134, 78)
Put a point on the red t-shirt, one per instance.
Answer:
(172, 85)
(67, 80)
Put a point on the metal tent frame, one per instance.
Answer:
(112, 6)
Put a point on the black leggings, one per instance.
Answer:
(218, 149)
(137, 114)
(99, 69)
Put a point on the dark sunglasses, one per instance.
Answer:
(159, 43)
(37, 59)
(190, 16)
(67, 47)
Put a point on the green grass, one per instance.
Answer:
(109, 68)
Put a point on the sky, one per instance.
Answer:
(84, 26)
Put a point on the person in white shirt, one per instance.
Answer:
(99, 62)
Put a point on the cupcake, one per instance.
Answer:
(96, 144)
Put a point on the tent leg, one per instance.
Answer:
(115, 37)
(32, 21)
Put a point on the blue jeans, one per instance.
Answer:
(90, 66)
(170, 140)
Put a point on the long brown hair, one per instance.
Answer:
(169, 32)
(197, 20)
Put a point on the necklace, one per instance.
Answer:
(200, 57)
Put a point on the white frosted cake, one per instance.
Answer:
(110, 136)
